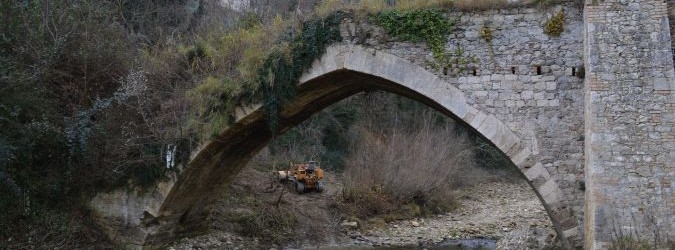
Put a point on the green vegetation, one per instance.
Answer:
(555, 26)
(83, 111)
(93, 94)
(427, 25)
(419, 25)
(245, 66)
(430, 26)
(486, 34)
(279, 74)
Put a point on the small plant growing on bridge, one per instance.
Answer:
(427, 25)
(486, 33)
(430, 26)
(556, 25)
(454, 61)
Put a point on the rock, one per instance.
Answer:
(415, 223)
(350, 224)
(377, 223)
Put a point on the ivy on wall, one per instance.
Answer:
(282, 69)
(427, 25)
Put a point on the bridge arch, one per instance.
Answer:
(345, 70)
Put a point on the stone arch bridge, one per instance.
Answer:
(587, 117)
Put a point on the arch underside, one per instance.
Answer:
(343, 71)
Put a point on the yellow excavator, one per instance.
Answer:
(303, 177)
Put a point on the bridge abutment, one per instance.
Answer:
(629, 120)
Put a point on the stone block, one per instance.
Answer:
(661, 84)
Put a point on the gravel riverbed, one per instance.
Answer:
(506, 213)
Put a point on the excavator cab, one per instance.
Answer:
(311, 166)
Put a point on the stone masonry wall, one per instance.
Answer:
(629, 121)
(671, 17)
(522, 76)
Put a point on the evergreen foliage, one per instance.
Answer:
(280, 72)
(428, 25)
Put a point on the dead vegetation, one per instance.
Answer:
(257, 206)
(365, 7)
(406, 171)
(402, 159)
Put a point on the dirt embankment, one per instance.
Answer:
(507, 211)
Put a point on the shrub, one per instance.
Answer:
(555, 25)
(274, 224)
(486, 34)
(256, 63)
(430, 26)
(427, 25)
(629, 243)
(75, 120)
(406, 166)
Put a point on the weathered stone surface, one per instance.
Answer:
(544, 109)
(124, 214)
(629, 101)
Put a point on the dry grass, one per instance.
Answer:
(229, 61)
(406, 172)
(479, 4)
(629, 243)
(374, 6)
(254, 206)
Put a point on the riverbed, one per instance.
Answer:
(499, 214)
